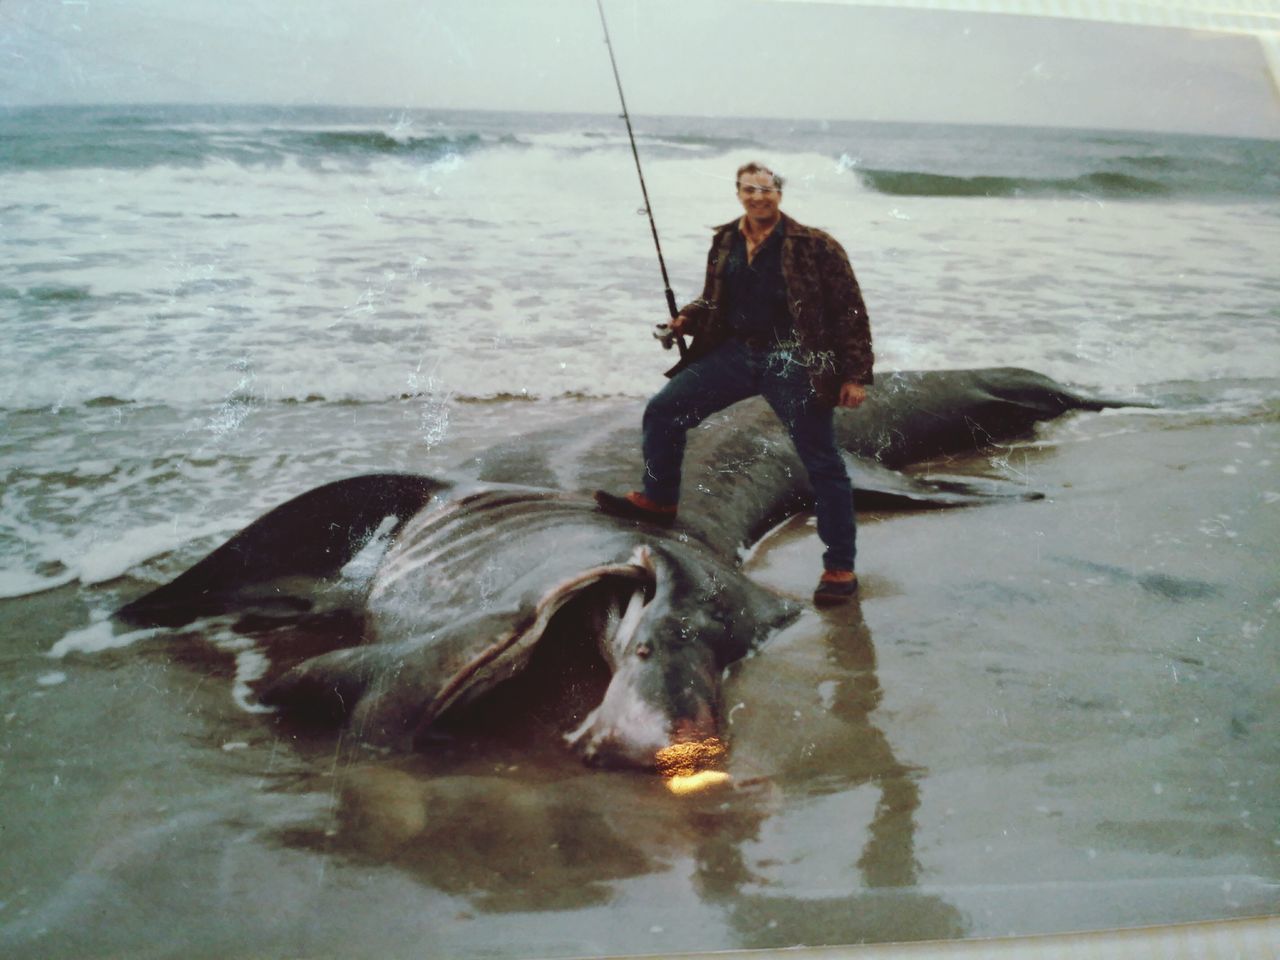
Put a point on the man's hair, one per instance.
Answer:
(754, 167)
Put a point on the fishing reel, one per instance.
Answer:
(663, 333)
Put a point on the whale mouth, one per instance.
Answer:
(659, 710)
(572, 629)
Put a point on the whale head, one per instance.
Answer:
(667, 645)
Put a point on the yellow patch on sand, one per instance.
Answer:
(692, 782)
(686, 765)
(690, 756)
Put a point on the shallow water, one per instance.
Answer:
(1074, 730)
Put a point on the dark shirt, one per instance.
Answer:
(757, 293)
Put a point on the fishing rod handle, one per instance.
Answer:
(675, 312)
(666, 336)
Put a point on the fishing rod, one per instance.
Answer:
(664, 332)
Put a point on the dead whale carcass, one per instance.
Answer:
(476, 570)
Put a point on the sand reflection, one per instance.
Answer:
(835, 861)
(811, 840)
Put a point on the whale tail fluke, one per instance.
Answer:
(876, 487)
(917, 415)
(1035, 390)
(1087, 402)
(314, 535)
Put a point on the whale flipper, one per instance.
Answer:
(313, 535)
(325, 690)
(878, 487)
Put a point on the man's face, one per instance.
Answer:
(759, 197)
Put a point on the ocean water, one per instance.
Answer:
(177, 256)
(206, 310)
(177, 280)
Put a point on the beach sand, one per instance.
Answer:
(1084, 688)
(1040, 716)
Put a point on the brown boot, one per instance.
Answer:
(835, 586)
(636, 506)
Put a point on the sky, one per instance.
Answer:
(685, 57)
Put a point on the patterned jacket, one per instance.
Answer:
(826, 307)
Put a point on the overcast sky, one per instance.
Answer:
(700, 57)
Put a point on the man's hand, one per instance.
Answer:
(666, 333)
(851, 395)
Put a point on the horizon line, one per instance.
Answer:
(283, 106)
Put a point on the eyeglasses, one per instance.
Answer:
(750, 189)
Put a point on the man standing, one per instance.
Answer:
(780, 316)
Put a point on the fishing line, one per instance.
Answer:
(663, 332)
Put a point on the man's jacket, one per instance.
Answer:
(823, 298)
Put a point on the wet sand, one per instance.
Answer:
(1044, 716)
(1085, 687)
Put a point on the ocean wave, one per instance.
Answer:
(128, 120)
(930, 161)
(1152, 162)
(17, 582)
(71, 139)
(910, 183)
(1243, 393)
(497, 397)
(377, 143)
(54, 293)
(701, 143)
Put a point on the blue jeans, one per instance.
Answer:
(734, 372)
